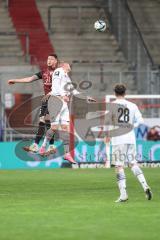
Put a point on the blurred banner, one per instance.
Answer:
(14, 157)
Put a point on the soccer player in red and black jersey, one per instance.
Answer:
(46, 76)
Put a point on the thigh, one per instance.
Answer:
(55, 107)
(131, 154)
(119, 154)
(64, 118)
(43, 109)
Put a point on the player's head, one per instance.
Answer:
(120, 90)
(66, 66)
(52, 60)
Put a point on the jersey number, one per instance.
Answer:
(123, 115)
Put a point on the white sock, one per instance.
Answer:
(45, 141)
(35, 144)
(66, 148)
(49, 135)
(139, 174)
(121, 180)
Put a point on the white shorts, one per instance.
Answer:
(123, 154)
(59, 113)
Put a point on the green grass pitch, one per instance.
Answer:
(76, 204)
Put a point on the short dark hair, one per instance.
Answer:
(53, 55)
(120, 89)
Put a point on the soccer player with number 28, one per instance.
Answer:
(124, 146)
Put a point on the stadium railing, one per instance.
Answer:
(10, 134)
(24, 35)
(128, 34)
(79, 11)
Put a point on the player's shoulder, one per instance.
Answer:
(58, 71)
(126, 102)
(131, 105)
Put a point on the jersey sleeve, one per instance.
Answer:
(138, 118)
(39, 75)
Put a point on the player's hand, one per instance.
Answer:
(11, 81)
(45, 98)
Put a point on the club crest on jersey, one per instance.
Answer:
(56, 73)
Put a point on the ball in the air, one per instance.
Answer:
(100, 25)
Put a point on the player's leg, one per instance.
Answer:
(65, 136)
(118, 159)
(41, 129)
(48, 122)
(66, 142)
(65, 126)
(49, 135)
(137, 171)
(121, 181)
(42, 116)
(54, 108)
(48, 126)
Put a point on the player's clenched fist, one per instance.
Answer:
(11, 81)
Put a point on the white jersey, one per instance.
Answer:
(61, 83)
(135, 118)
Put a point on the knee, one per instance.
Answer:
(120, 174)
(119, 169)
(65, 128)
(136, 169)
(42, 119)
(47, 117)
(54, 127)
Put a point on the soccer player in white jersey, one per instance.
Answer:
(60, 79)
(124, 146)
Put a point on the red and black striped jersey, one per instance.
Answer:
(46, 76)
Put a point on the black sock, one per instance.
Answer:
(52, 140)
(40, 132)
(48, 125)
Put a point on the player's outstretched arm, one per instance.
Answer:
(23, 80)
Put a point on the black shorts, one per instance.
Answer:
(43, 109)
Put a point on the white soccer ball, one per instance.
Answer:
(100, 25)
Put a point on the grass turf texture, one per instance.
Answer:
(76, 204)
